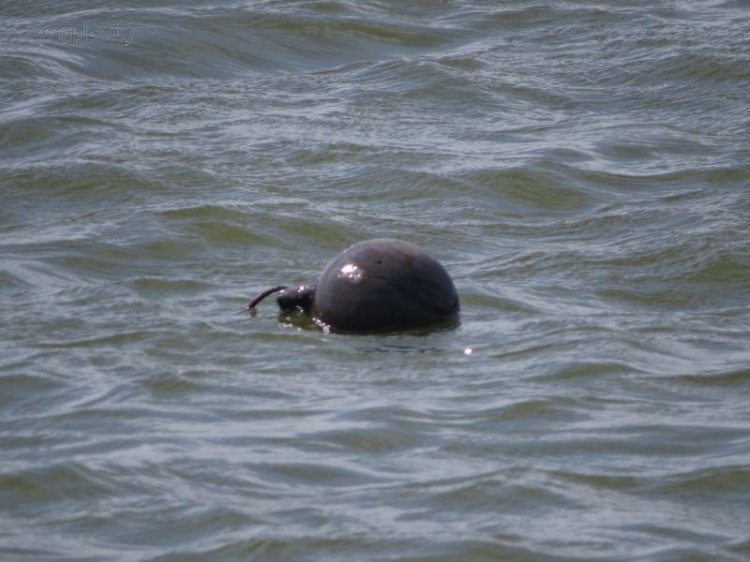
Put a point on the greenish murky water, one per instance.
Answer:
(580, 168)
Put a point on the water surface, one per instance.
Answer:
(580, 168)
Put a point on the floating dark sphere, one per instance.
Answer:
(375, 286)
